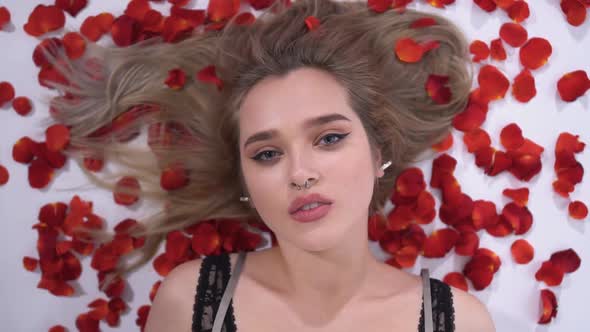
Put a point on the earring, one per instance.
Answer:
(244, 198)
(387, 164)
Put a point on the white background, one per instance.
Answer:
(513, 297)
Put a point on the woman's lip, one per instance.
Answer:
(312, 214)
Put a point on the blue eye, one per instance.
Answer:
(268, 153)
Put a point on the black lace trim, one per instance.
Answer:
(214, 276)
(443, 312)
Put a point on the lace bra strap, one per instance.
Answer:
(427, 300)
(228, 293)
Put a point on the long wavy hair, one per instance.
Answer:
(196, 127)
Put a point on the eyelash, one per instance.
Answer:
(340, 138)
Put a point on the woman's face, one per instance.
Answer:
(336, 153)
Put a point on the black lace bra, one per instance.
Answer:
(213, 307)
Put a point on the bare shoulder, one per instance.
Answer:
(470, 313)
(172, 308)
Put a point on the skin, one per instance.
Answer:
(322, 276)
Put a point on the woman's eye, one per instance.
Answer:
(267, 153)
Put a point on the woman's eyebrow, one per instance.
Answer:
(309, 123)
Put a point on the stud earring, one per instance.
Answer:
(387, 164)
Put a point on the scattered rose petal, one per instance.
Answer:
(573, 85)
(520, 196)
(410, 51)
(550, 274)
(208, 75)
(535, 53)
(497, 51)
(492, 83)
(549, 306)
(57, 137)
(522, 251)
(22, 105)
(44, 19)
(574, 11)
(523, 88)
(4, 17)
(125, 30)
(74, 44)
(577, 210)
(423, 22)
(457, 280)
(222, 10)
(6, 92)
(72, 7)
(4, 175)
(176, 79)
(312, 23)
(513, 34)
(519, 11)
(436, 89)
(480, 50)
(511, 136)
(121, 196)
(40, 173)
(567, 260)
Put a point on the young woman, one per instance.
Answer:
(303, 127)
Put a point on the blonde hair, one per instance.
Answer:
(353, 43)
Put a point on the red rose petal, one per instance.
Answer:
(523, 88)
(480, 50)
(535, 53)
(93, 164)
(74, 44)
(410, 182)
(471, 118)
(520, 196)
(549, 305)
(6, 92)
(126, 191)
(312, 23)
(44, 19)
(522, 251)
(444, 144)
(513, 34)
(574, 11)
(30, 263)
(436, 90)
(440, 242)
(173, 177)
(57, 328)
(4, 17)
(72, 7)
(476, 139)
(137, 9)
(222, 10)
(511, 136)
(22, 151)
(492, 83)
(550, 274)
(40, 173)
(176, 79)
(577, 210)
(125, 30)
(22, 105)
(497, 51)
(163, 265)
(467, 243)
(567, 260)
(4, 175)
(504, 4)
(519, 11)
(487, 5)
(457, 280)
(573, 85)
(408, 50)
(57, 137)
(423, 22)
(208, 75)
